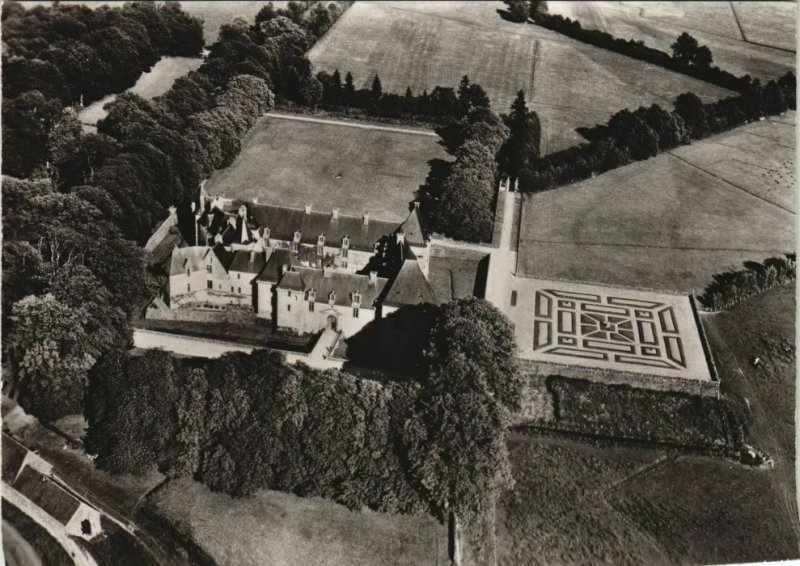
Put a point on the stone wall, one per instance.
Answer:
(237, 316)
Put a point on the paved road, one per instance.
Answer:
(300, 118)
(53, 527)
(16, 550)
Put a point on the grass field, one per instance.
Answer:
(579, 503)
(278, 528)
(293, 163)
(454, 274)
(423, 45)
(673, 221)
(216, 13)
(766, 25)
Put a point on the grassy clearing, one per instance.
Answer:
(278, 528)
(422, 45)
(704, 511)
(711, 23)
(763, 326)
(154, 82)
(673, 221)
(294, 163)
(215, 13)
(556, 513)
(455, 273)
(576, 502)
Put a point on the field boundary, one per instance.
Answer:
(350, 123)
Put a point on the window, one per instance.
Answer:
(208, 268)
(288, 307)
(220, 286)
(311, 306)
(355, 312)
(240, 290)
(238, 276)
(210, 284)
(188, 273)
(345, 252)
(189, 288)
(231, 288)
(513, 298)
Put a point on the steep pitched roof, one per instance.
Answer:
(277, 259)
(292, 281)
(284, 221)
(414, 228)
(410, 287)
(187, 258)
(242, 261)
(44, 492)
(342, 283)
(223, 255)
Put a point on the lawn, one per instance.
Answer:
(763, 326)
(456, 273)
(425, 44)
(576, 502)
(154, 82)
(215, 13)
(279, 528)
(712, 23)
(673, 221)
(292, 162)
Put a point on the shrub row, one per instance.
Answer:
(620, 411)
(727, 289)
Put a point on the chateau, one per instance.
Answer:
(303, 270)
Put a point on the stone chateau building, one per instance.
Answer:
(304, 270)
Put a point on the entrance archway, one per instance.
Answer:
(332, 322)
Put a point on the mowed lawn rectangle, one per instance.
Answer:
(358, 170)
(425, 44)
(673, 221)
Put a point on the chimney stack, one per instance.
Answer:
(308, 209)
(373, 277)
(401, 237)
(335, 213)
(416, 204)
(366, 219)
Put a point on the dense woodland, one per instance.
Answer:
(247, 422)
(54, 57)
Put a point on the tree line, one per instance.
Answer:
(730, 288)
(443, 105)
(688, 57)
(643, 133)
(247, 422)
(62, 55)
(73, 272)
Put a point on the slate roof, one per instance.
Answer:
(284, 221)
(278, 258)
(410, 287)
(44, 492)
(340, 282)
(192, 257)
(414, 228)
(241, 262)
(224, 256)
